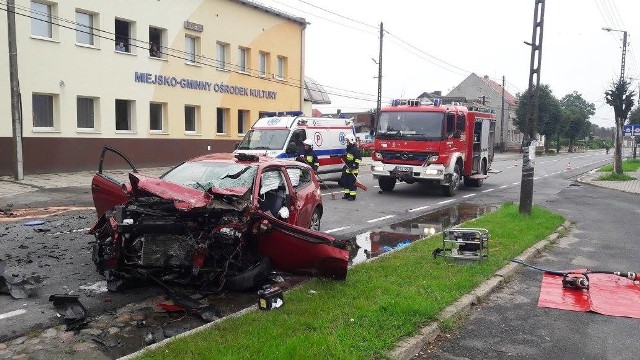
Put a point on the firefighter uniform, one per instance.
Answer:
(308, 156)
(352, 161)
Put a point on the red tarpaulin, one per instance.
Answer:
(608, 294)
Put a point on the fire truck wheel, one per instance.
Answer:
(387, 183)
(451, 189)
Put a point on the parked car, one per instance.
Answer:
(220, 219)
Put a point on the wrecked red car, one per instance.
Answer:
(222, 219)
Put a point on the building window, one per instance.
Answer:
(41, 20)
(282, 68)
(191, 49)
(221, 120)
(191, 115)
(85, 113)
(243, 59)
(156, 42)
(264, 63)
(243, 117)
(84, 28)
(123, 31)
(221, 53)
(43, 111)
(156, 117)
(124, 115)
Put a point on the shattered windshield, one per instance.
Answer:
(426, 125)
(204, 175)
(268, 139)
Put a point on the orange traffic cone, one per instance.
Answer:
(569, 166)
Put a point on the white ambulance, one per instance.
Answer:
(281, 136)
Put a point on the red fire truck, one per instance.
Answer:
(433, 144)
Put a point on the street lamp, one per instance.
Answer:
(624, 48)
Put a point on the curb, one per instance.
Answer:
(409, 347)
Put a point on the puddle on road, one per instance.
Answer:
(395, 236)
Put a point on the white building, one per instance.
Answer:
(160, 80)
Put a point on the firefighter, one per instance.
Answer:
(308, 156)
(352, 160)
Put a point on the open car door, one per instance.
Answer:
(107, 188)
(295, 249)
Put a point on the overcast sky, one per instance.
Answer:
(434, 45)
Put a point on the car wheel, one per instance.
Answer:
(249, 278)
(387, 183)
(314, 223)
(452, 188)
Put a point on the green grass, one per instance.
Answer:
(629, 165)
(380, 302)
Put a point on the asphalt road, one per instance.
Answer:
(61, 254)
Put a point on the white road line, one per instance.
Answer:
(380, 218)
(536, 178)
(503, 186)
(488, 190)
(418, 208)
(12, 313)
(515, 183)
(446, 201)
(337, 229)
(332, 193)
(468, 196)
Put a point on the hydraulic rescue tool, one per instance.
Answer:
(575, 279)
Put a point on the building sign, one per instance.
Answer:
(193, 26)
(222, 88)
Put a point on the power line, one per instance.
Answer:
(344, 17)
(170, 52)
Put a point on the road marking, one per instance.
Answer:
(503, 186)
(12, 313)
(332, 193)
(488, 190)
(418, 208)
(515, 183)
(70, 231)
(446, 201)
(470, 195)
(536, 178)
(380, 218)
(337, 229)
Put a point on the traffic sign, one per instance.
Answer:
(630, 130)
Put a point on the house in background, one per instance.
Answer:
(489, 93)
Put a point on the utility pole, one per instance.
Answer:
(16, 103)
(379, 103)
(502, 119)
(526, 184)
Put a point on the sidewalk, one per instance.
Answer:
(632, 186)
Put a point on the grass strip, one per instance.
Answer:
(629, 165)
(381, 301)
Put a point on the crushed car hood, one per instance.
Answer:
(184, 197)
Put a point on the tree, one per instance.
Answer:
(621, 99)
(576, 113)
(634, 116)
(549, 114)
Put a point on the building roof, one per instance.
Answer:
(273, 11)
(314, 92)
(509, 98)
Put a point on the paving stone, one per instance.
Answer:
(84, 346)
(20, 340)
(49, 333)
(91, 331)
(66, 336)
(3, 346)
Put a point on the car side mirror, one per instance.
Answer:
(291, 148)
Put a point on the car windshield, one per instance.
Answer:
(410, 125)
(267, 139)
(204, 175)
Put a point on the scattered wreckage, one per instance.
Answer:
(216, 220)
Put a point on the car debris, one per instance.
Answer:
(19, 287)
(218, 220)
(71, 309)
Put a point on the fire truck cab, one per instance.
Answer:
(435, 144)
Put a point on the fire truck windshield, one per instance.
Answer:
(414, 125)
